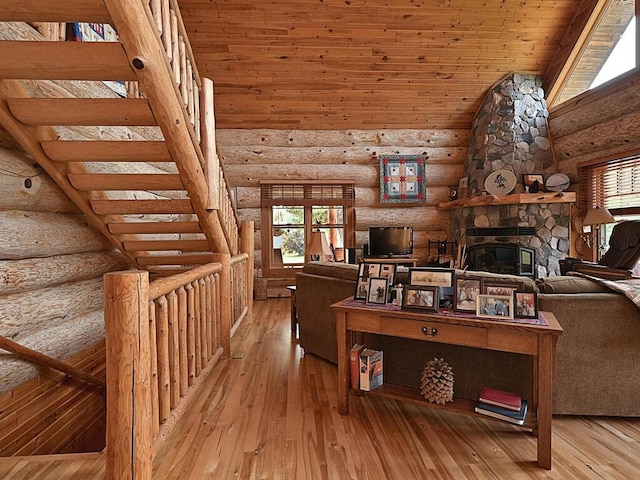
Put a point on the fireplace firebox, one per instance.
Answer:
(508, 258)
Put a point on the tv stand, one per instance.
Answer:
(398, 260)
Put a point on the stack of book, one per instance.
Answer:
(502, 405)
(366, 368)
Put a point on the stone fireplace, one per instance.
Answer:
(510, 133)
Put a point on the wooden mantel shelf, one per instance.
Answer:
(514, 199)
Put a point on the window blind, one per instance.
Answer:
(612, 185)
(303, 194)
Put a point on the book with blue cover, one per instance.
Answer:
(503, 413)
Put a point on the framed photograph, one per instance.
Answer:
(533, 182)
(431, 277)
(422, 298)
(494, 306)
(496, 287)
(463, 187)
(466, 291)
(377, 290)
(366, 270)
(526, 304)
(388, 271)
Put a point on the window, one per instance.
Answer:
(606, 51)
(614, 185)
(291, 211)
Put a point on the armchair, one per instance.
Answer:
(620, 258)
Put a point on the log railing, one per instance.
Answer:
(197, 100)
(162, 338)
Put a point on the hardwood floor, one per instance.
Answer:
(273, 415)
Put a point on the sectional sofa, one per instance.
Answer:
(598, 357)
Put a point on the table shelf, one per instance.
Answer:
(459, 405)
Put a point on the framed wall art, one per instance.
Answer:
(402, 178)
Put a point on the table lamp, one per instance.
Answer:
(598, 216)
(318, 246)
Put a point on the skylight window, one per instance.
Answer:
(621, 59)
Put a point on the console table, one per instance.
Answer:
(538, 341)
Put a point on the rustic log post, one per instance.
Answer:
(182, 326)
(208, 144)
(225, 302)
(129, 435)
(247, 228)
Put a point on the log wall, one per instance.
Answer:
(253, 155)
(51, 296)
(597, 124)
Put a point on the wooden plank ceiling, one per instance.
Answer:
(366, 64)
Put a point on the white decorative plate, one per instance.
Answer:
(500, 182)
(557, 182)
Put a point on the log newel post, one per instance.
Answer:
(225, 301)
(208, 145)
(247, 246)
(129, 437)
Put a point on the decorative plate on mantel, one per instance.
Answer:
(500, 182)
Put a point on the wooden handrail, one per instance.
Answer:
(46, 361)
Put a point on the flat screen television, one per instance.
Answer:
(390, 241)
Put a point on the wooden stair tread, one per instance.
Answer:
(82, 111)
(138, 207)
(154, 227)
(58, 11)
(106, 151)
(64, 61)
(184, 259)
(166, 245)
(86, 182)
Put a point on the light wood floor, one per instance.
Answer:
(274, 416)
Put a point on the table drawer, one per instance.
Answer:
(434, 331)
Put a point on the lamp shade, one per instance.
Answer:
(318, 245)
(598, 216)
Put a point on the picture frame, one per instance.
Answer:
(495, 306)
(377, 290)
(388, 271)
(465, 292)
(526, 304)
(432, 277)
(424, 298)
(463, 187)
(533, 182)
(366, 270)
(497, 287)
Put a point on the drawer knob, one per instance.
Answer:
(430, 332)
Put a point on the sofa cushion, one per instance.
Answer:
(569, 284)
(528, 284)
(346, 271)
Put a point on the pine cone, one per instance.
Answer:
(437, 382)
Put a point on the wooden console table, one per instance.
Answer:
(538, 341)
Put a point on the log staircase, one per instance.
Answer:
(163, 202)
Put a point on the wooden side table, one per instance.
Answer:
(294, 309)
(537, 341)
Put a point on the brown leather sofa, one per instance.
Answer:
(598, 357)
